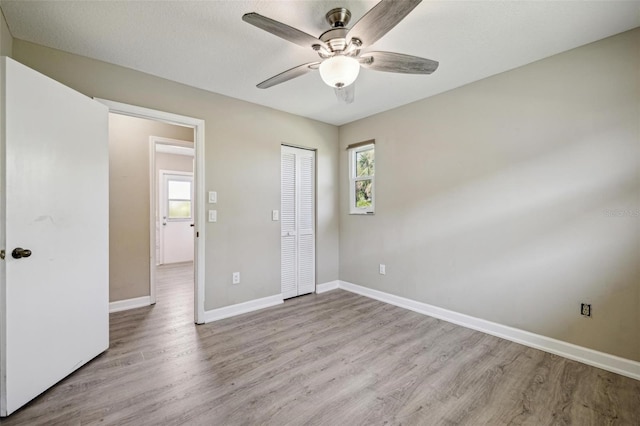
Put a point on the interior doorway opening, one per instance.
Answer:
(133, 260)
(172, 195)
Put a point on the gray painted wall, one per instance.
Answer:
(493, 199)
(242, 163)
(175, 162)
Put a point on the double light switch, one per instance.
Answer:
(213, 214)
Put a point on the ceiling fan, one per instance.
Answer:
(340, 47)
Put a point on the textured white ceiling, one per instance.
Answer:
(206, 44)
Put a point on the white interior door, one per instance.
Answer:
(176, 204)
(297, 221)
(55, 202)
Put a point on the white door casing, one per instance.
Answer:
(297, 222)
(55, 202)
(160, 144)
(176, 236)
(198, 126)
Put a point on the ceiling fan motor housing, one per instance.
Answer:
(335, 38)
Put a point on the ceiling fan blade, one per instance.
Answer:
(397, 62)
(287, 75)
(282, 30)
(346, 94)
(380, 20)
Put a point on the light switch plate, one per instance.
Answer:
(275, 215)
(213, 197)
(213, 215)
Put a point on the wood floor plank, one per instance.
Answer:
(331, 359)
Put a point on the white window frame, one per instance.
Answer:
(353, 152)
(178, 177)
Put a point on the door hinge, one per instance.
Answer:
(2, 254)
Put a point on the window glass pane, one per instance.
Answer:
(364, 162)
(179, 189)
(179, 209)
(363, 193)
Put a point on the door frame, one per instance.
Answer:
(162, 200)
(199, 179)
(168, 146)
(315, 210)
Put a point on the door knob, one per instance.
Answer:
(19, 252)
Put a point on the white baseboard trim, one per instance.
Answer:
(324, 287)
(126, 304)
(615, 364)
(242, 308)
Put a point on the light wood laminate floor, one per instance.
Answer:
(331, 359)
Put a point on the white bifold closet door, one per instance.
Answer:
(297, 219)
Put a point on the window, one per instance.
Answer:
(179, 199)
(361, 178)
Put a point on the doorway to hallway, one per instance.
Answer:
(134, 267)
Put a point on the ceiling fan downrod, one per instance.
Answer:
(338, 17)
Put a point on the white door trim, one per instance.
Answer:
(161, 191)
(173, 146)
(168, 146)
(198, 172)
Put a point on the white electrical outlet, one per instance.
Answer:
(213, 215)
(275, 215)
(383, 269)
(236, 277)
(213, 197)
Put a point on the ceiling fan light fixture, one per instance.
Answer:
(339, 71)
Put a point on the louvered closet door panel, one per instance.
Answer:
(288, 267)
(288, 193)
(306, 215)
(306, 264)
(306, 223)
(288, 244)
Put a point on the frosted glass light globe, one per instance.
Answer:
(339, 71)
